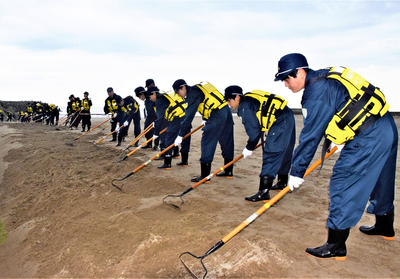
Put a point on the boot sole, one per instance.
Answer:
(384, 237)
(258, 201)
(336, 258)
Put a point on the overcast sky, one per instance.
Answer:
(51, 49)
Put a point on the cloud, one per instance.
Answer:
(51, 49)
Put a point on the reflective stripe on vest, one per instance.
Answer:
(271, 106)
(365, 101)
(176, 108)
(213, 100)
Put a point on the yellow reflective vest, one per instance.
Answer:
(365, 100)
(176, 108)
(213, 100)
(270, 107)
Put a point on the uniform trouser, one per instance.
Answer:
(162, 137)
(113, 122)
(218, 128)
(170, 135)
(365, 170)
(136, 123)
(147, 122)
(86, 121)
(75, 119)
(279, 144)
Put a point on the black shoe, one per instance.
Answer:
(70, 128)
(148, 145)
(334, 248)
(167, 163)
(205, 171)
(184, 162)
(113, 140)
(282, 182)
(263, 190)
(118, 144)
(176, 152)
(259, 196)
(123, 139)
(136, 144)
(83, 130)
(161, 157)
(155, 148)
(383, 226)
(228, 172)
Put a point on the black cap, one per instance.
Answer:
(85, 93)
(110, 89)
(178, 84)
(118, 99)
(139, 91)
(290, 63)
(149, 82)
(152, 89)
(71, 96)
(232, 91)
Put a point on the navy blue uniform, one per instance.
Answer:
(280, 140)
(367, 164)
(151, 116)
(218, 128)
(122, 116)
(173, 127)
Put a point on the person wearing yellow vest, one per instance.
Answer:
(111, 106)
(217, 117)
(86, 104)
(170, 109)
(128, 110)
(266, 117)
(366, 168)
(1, 116)
(151, 116)
(74, 107)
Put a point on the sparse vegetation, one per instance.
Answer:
(3, 232)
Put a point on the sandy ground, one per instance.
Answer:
(64, 219)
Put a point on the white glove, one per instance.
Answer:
(126, 124)
(155, 137)
(294, 182)
(81, 108)
(246, 153)
(178, 140)
(117, 128)
(203, 122)
(339, 147)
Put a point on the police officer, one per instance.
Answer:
(74, 108)
(1, 116)
(111, 106)
(150, 116)
(128, 109)
(366, 167)
(86, 104)
(217, 118)
(262, 112)
(170, 111)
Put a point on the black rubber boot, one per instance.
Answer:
(118, 143)
(282, 182)
(148, 145)
(176, 152)
(156, 144)
(162, 155)
(136, 144)
(335, 247)
(184, 162)
(205, 171)
(167, 163)
(383, 226)
(114, 136)
(263, 190)
(228, 172)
